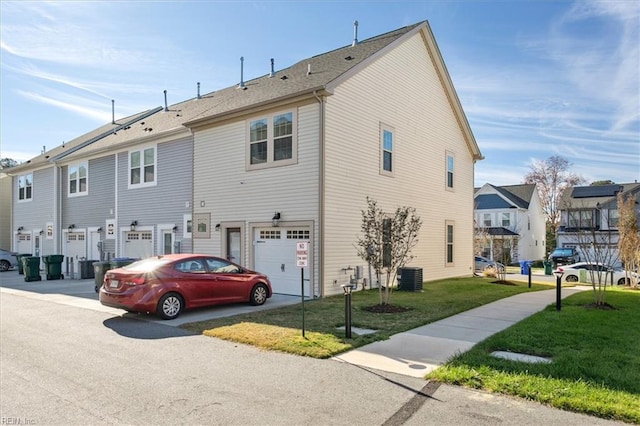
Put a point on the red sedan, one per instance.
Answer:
(171, 283)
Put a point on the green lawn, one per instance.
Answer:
(595, 354)
(281, 329)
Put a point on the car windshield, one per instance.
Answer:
(147, 265)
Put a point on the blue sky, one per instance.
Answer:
(535, 78)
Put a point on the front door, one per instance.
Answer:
(167, 241)
(234, 246)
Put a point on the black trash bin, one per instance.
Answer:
(31, 268)
(53, 264)
(119, 262)
(86, 269)
(19, 257)
(99, 269)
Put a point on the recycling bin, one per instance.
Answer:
(31, 268)
(119, 262)
(99, 270)
(547, 267)
(525, 265)
(86, 269)
(19, 257)
(53, 264)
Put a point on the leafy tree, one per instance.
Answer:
(387, 241)
(629, 235)
(6, 163)
(552, 178)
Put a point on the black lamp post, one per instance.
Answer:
(558, 274)
(348, 288)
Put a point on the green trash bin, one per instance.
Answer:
(31, 268)
(99, 270)
(19, 257)
(53, 264)
(547, 267)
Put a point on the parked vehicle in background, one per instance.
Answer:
(594, 272)
(8, 260)
(167, 285)
(564, 256)
(482, 263)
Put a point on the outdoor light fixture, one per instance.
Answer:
(558, 273)
(20, 229)
(71, 227)
(99, 229)
(133, 225)
(175, 228)
(275, 220)
(217, 227)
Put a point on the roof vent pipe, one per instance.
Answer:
(166, 108)
(241, 85)
(199, 90)
(355, 33)
(113, 111)
(273, 73)
(308, 69)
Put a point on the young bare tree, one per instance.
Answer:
(552, 177)
(629, 236)
(387, 241)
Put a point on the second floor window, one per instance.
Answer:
(613, 218)
(486, 221)
(77, 179)
(506, 219)
(272, 141)
(450, 161)
(25, 187)
(142, 167)
(581, 219)
(386, 150)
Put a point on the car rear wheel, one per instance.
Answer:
(4, 265)
(258, 294)
(169, 306)
(623, 281)
(572, 279)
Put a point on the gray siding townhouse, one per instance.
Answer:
(589, 218)
(510, 223)
(291, 156)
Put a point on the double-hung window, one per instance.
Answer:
(142, 167)
(386, 150)
(449, 164)
(272, 141)
(487, 220)
(25, 187)
(449, 243)
(506, 219)
(78, 179)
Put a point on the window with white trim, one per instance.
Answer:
(487, 219)
(450, 163)
(142, 167)
(25, 187)
(386, 150)
(506, 219)
(272, 141)
(449, 243)
(78, 179)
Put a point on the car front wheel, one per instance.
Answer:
(169, 306)
(572, 279)
(4, 266)
(623, 281)
(258, 295)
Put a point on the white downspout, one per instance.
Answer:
(319, 288)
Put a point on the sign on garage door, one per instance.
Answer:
(275, 256)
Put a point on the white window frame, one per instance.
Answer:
(486, 216)
(386, 129)
(187, 226)
(270, 140)
(25, 178)
(77, 167)
(449, 242)
(141, 151)
(503, 216)
(450, 184)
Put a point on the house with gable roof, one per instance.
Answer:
(291, 157)
(510, 223)
(589, 217)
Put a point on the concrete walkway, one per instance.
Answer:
(419, 351)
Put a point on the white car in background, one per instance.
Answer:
(571, 273)
(8, 260)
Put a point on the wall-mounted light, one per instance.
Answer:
(20, 229)
(71, 227)
(41, 232)
(133, 225)
(275, 220)
(217, 227)
(175, 228)
(99, 229)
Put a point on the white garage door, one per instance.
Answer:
(138, 244)
(24, 244)
(275, 256)
(75, 249)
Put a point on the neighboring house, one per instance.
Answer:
(291, 157)
(589, 217)
(5, 211)
(510, 223)
(286, 158)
